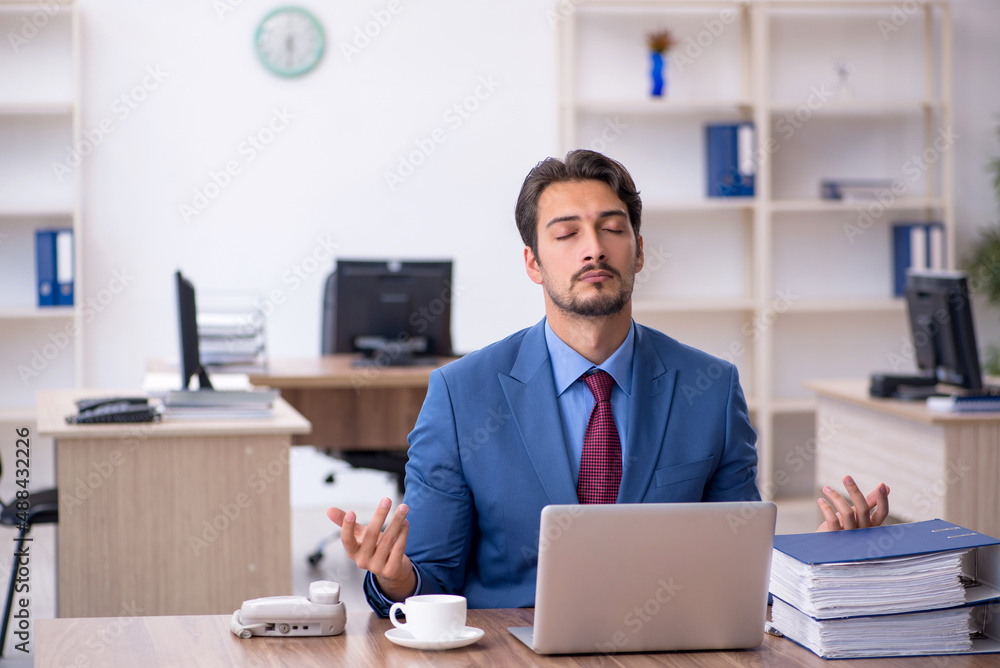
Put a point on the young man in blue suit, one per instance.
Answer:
(502, 431)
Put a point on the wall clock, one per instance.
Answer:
(290, 41)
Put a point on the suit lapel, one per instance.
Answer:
(652, 393)
(531, 395)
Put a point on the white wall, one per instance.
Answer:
(322, 176)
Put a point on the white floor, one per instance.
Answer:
(353, 489)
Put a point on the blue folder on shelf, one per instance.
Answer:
(64, 267)
(45, 266)
(916, 246)
(729, 155)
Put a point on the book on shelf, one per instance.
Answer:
(855, 190)
(915, 246)
(729, 155)
(922, 588)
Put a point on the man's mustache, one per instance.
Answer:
(600, 266)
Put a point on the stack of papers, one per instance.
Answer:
(219, 404)
(231, 340)
(919, 633)
(899, 590)
(875, 587)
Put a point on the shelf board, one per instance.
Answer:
(836, 107)
(36, 108)
(35, 212)
(707, 204)
(692, 305)
(53, 6)
(666, 107)
(35, 313)
(839, 206)
(847, 305)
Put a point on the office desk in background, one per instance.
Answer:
(170, 518)
(937, 465)
(351, 407)
(152, 642)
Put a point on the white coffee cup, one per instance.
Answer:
(431, 617)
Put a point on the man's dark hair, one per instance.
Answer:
(580, 165)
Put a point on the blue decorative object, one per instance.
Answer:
(657, 73)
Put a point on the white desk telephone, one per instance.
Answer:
(321, 614)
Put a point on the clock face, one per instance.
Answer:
(290, 41)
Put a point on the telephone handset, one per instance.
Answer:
(321, 614)
(114, 409)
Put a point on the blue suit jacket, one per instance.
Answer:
(487, 454)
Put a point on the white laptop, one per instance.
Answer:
(651, 577)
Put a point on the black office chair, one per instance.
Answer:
(42, 508)
(393, 462)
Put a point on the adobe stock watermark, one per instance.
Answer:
(59, 340)
(654, 260)
(224, 7)
(639, 616)
(454, 117)
(365, 34)
(248, 150)
(706, 378)
(31, 25)
(562, 11)
(914, 168)
(316, 260)
(696, 45)
(553, 532)
(900, 14)
(122, 107)
(925, 334)
(493, 421)
(612, 130)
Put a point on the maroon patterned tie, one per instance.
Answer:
(601, 463)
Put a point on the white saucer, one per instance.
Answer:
(402, 637)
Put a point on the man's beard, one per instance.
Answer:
(605, 303)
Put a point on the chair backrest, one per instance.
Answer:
(328, 326)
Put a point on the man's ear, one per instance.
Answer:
(531, 266)
(640, 256)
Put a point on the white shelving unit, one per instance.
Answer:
(774, 283)
(39, 126)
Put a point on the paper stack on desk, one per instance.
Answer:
(900, 590)
(219, 404)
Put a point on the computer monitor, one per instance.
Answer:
(944, 335)
(187, 318)
(396, 313)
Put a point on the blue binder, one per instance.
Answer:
(45, 266)
(64, 267)
(729, 156)
(883, 542)
(916, 246)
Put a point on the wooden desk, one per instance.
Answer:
(936, 464)
(207, 641)
(169, 518)
(351, 407)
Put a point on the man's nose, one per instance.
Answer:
(593, 249)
